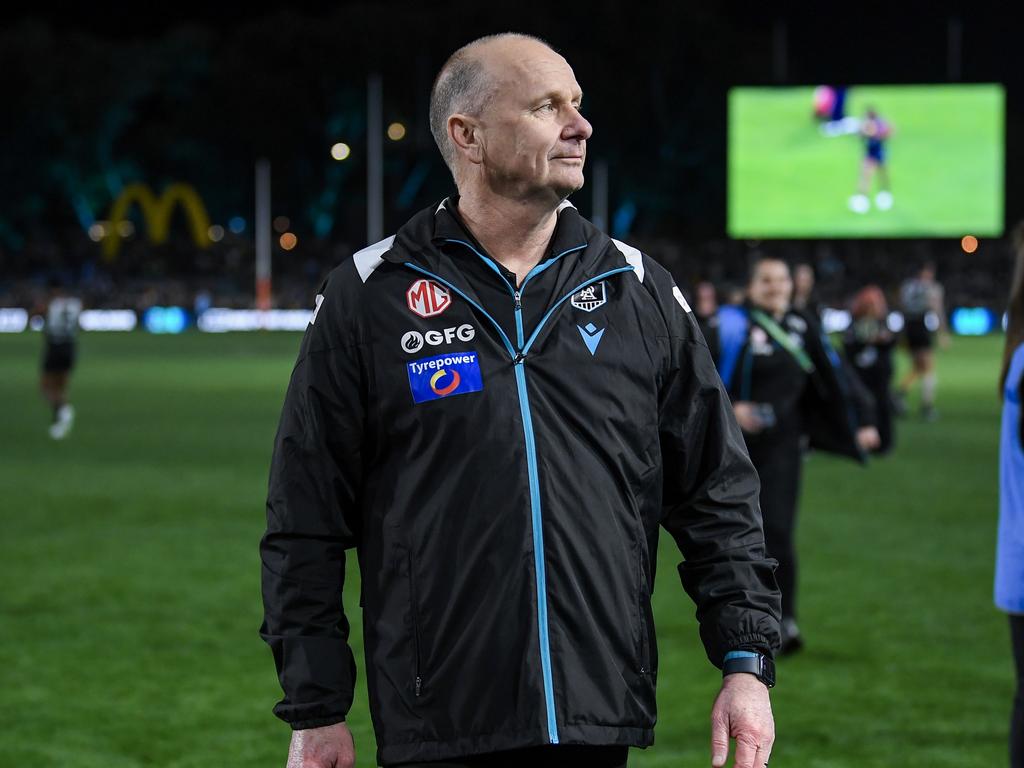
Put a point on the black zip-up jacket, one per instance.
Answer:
(827, 405)
(503, 475)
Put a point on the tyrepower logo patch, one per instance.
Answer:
(427, 299)
(433, 378)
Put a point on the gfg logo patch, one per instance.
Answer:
(433, 378)
(414, 341)
(426, 298)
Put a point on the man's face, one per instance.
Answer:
(707, 298)
(771, 287)
(804, 279)
(532, 135)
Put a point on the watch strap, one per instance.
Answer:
(757, 664)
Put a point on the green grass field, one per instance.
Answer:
(945, 161)
(130, 596)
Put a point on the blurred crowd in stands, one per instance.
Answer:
(179, 274)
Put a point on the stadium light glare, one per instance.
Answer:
(969, 243)
(13, 319)
(289, 240)
(165, 319)
(340, 151)
(237, 225)
(216, 233)
(973, 321)
(396, 131)
(97, 231)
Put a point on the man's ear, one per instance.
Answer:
(463, 132)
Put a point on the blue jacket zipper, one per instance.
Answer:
(518, 358)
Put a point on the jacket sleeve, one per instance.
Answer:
(864, 406)
(312, 520)
(710, 496)
(830, 409)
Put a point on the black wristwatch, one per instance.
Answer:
(760, 666)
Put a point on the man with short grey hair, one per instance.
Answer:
(499, 407)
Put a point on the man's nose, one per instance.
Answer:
(578, 128)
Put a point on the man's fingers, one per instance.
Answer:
(746, 750)
(719, 740)
(764, 752)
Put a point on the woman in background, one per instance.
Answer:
(788, 388)
(1009, 588)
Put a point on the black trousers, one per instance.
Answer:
(1017, 719)
(555, 756)
(778, 466)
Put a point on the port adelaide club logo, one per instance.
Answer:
(590, 298)
(427, 299)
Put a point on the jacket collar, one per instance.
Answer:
(569, 233)
(422, 238)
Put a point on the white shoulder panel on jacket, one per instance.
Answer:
(633, 257)
(370, 257)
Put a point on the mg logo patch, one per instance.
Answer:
(590, 298)
(426, 298)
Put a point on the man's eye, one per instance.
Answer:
(549, 107)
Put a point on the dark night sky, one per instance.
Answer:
(656, 76)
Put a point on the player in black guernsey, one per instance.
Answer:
(922, 298)
(59, 353)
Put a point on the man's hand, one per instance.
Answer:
(868, 438)
(328, 747)
(743, 712)
(747, 418)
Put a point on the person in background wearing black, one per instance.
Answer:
(868, 344)
(787, 386)
(804, 298)
(705, 310)
(62, 311)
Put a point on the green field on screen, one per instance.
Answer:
(131, 596)
(945, 161)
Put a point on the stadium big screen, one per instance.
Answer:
(866, 161)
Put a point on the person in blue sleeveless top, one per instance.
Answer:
(789, 388)
(875, 132)
(1009, 586)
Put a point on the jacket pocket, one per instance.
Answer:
(642, 599)
(643, 602)
(642, 595)
(414, 618)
